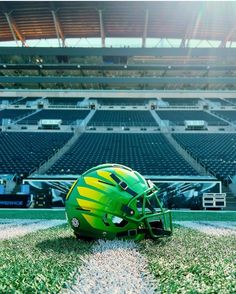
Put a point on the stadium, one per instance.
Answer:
(109, 88)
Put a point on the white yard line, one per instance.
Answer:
(113, 267)
(214, 228)
(14, 228)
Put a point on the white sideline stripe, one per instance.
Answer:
(17, 227)
(214, 228)
(113, 267)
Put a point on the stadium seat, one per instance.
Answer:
(21, 152)
(150, 154)
(122, 118)
(177, 117)
(216, 152)
(68, 117)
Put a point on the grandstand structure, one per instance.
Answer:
(162, 110)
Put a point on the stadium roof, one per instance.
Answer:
(186, 63)
(183, 20)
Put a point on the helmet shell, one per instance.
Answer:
(102, 203)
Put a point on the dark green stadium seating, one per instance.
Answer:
(216, 152)
(122, 118)
(177, 117)
(150, 154)
(67, 116)
(20, 152)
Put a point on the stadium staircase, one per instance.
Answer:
(197, 166)
(157, 118)
(88, 117)
(27, 116)
(218, 117)
(45, 166)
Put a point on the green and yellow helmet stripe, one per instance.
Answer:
(100, 204)
(71, 189)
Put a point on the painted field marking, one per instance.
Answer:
(18, 227)
(113, 267)
(214, 228)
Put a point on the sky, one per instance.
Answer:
(116, 42)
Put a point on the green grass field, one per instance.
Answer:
(177, 215)
(32, 214)
(188, 262)
(192, 262)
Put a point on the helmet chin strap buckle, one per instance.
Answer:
(123, 185)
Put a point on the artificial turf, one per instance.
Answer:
(187, 262)
(193, 262)
(40, 262)
(177, 215)
(32, 214)
(193, 215)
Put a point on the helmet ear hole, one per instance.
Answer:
(119, 222)
(122, 224)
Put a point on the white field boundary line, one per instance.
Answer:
(113, 267)
(16, 227)
(213, 228)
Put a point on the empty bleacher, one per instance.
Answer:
(216, 152)
(23, 101)
(66, 101)
(182, 101)
(231, 100)
(229, 115)
(68, 117)
(218, 101)
(122, 118)
(10, 100)
(122, 101)
(14, 114)
(177, 117)
(150, 154)
(20, 152)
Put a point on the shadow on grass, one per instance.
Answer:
(64, 245)
(71, 244)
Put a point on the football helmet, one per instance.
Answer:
(113, 201)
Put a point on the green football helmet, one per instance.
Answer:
(113, 201)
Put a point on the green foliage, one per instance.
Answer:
(40, 262)
(192, 262)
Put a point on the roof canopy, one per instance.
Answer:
(185, 20)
